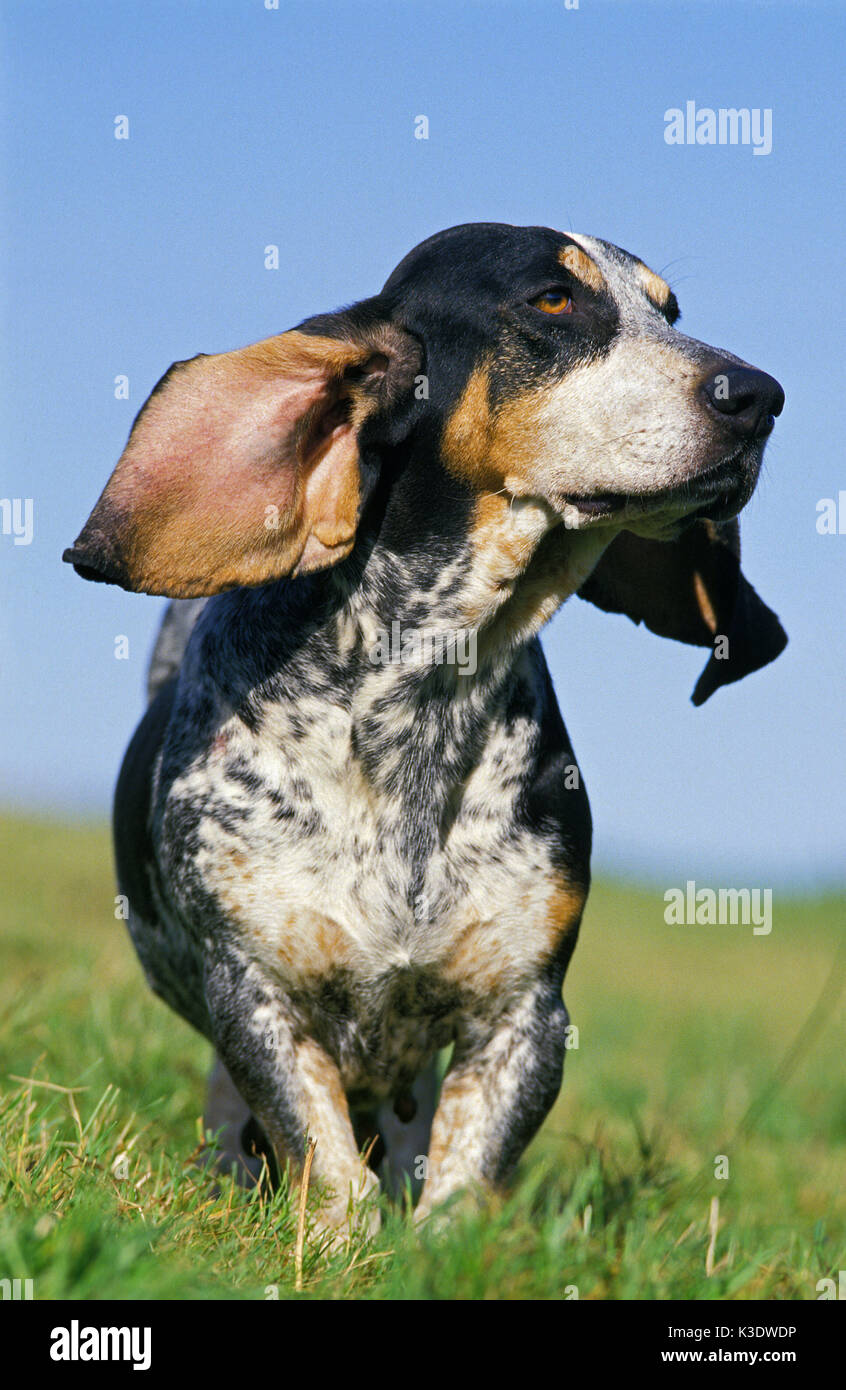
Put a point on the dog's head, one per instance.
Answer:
(520, 364)
(556, 364)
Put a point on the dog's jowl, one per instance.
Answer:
(338, 866)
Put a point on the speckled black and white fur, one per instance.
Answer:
(336, 867)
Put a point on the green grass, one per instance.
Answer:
(683, 1036)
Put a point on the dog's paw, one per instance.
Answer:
(342, 1220)
(437, 1210)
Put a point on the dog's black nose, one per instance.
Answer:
(751, 399)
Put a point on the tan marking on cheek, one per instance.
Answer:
(574, 259)
(516, 446)
(465, 445)
(496, 451)
(657, 289)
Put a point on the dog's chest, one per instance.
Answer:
(404, 890)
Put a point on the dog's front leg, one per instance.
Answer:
(502, 1083)
(292, 1086)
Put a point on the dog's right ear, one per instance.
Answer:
(245, 466)
(693, 590)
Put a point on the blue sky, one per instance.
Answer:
(295, 127)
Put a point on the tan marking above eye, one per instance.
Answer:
(574, 259)
(553, 302)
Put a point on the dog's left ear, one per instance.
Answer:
(693, 590)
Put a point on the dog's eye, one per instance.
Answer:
(553, 302)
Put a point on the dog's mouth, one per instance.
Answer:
(716, 494)
(725, 490)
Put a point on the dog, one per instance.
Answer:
(339, 865)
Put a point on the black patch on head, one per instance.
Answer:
(466, 294)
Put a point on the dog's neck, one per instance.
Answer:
(422, 618)
(425, 624)
(489, 580)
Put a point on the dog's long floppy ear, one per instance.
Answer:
(245, 466)
(691, 589)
